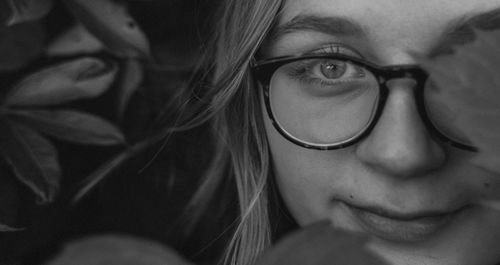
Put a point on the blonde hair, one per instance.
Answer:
(234, 110)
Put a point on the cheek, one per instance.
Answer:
(306, 179)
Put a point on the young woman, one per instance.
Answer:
(323, 99)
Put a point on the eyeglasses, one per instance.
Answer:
(331, 101)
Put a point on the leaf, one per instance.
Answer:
(492, 204)
(6, 228)
(20, 44)
(469, 85)
(77, 40)
(110, 22)
(72, 126)
(33, 159)
(117, 250)
(131, 79)
(320, 244)
(27, 10)
(86, 77)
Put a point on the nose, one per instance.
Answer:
(400, 144)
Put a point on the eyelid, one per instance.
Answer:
(337, 48)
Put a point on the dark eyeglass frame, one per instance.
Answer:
(263, 71)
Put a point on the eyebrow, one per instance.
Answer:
(329, 25)
(461, 31)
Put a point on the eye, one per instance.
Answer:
(335, 70)
(332, 69)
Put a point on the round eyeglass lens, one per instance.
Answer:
(442, 117)
(323, 101)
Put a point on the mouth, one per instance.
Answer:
(402, 227)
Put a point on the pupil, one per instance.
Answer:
(333, 69)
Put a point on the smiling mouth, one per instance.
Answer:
(402, 227)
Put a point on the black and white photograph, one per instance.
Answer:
(249, 132)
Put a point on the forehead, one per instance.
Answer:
(386, 12)
(393, 26)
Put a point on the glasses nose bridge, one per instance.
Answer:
(412, 72)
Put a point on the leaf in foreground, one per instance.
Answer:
(86, 77)
(72, 126)
(77, 40)
(32, 158)
(27, 10)
(321, 244)
(116, 249)
(468, 84)
(110, 22)
(131, 79)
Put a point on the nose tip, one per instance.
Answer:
(400, 144)
(404, 159)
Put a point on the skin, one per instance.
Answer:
(400, 166)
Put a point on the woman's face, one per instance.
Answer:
(419, 198)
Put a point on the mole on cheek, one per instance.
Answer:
(486, 185)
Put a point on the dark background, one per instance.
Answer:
(146, 196)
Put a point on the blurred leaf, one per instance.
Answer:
(27, 10)
(117, 250)
(320, 244)
(6, 228)
(20, 44)
(77, 40)
(492, 204)
(110, 22)
(33, 159)
(86, 77)
(468, 84)
(72, 126)
(131, 78)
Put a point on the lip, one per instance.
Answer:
(402, 227)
